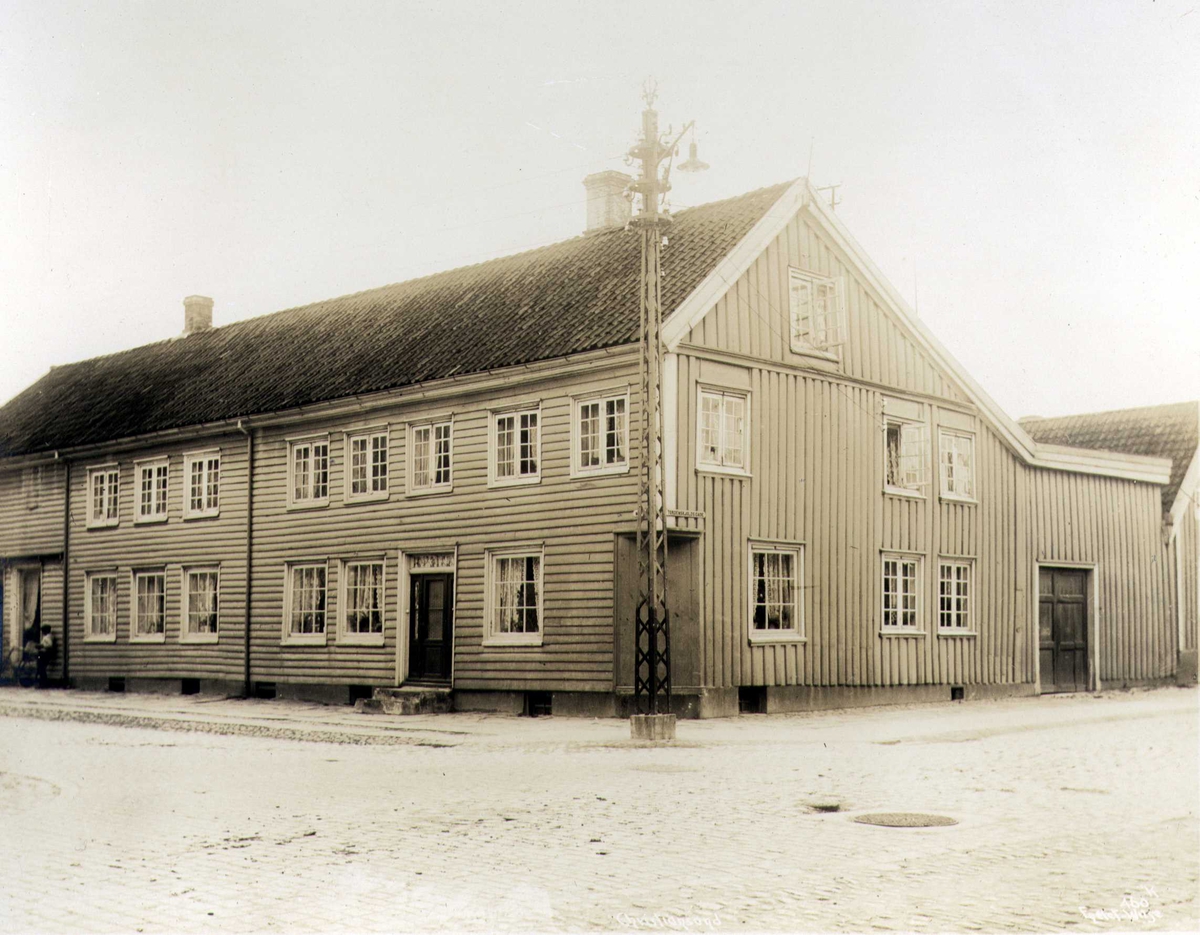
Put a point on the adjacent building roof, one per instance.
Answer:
(574, 296)
(1171, 431)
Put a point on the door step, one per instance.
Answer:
(408, 699)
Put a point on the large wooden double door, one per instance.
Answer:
(1063, 629)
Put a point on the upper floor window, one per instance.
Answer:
(724, 423)
(305, 605)
(906, 456)
(149, 606)
(309, 472)
(367, 471)
(104, 484)
(514, 611)
(817, 314)
(776, 573)
(901, 592)
(602, 432)
(956, 463)
(429, 457)
(954, 596)
(202, 473)
(152, 490)
(33, 482)
(100, 607)
(362, 602)
(516, 447)
(201, 594)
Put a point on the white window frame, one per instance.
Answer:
(371, 494)
(917, 627)
(922, 484)
(185, 633)
(139, 470)
(796, 550)
(309, 502)
(967, 628)
(830, 332)
(517, 479)
(578, 469)
(134, 609)
(112, 498)
(433, 487)
(89, 634)
(344, 634)
(969, 495)
(201, 457)
(710, 467)
(491, 634)
(304, 639)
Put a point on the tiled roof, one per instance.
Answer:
(1160, 431)
(578, 295)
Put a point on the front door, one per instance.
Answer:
(431, 627)
(1062, 627)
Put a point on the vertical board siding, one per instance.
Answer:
(170, 547)
(1187, 540)
(1115, 525)
(753, 318)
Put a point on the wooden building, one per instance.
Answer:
(1166, 432)
(433, 484)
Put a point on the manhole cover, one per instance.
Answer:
(905, 820)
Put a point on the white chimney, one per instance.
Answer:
(607, 204)
(197, 314)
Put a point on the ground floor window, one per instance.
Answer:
(515, 597)
(100, 610)
(149, 606)
(362, 615)
(954, 596)
(306, 601)
(901, 592)
(775, 575)
(201, 588)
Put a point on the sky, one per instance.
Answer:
(1027, 175)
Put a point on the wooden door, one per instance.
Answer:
(431, 627)
(1062, 629)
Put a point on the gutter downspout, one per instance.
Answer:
(246, 689)
(66, 571)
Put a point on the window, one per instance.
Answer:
(310, 473)
(367, 475)
(201, 590)
(152, 491)
(776, 573)
(149, 607)
(100, 611)
(516, 448)
(202, 474)
(906, 457)
(602, 432)
(818, 320)
(901, 592)
(515, 598)
(954, 597)
(362, 616)
(956, 461)
(724, 420)
(305, 604)
(429, 445)
(33, 482)
(103, 487)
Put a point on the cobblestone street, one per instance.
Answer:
(127, 813)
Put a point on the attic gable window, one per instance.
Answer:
(202, 474)
(956, 464)
(516, 447)
(308, 473)
(152, 491)
(817, 312)
(104, 485)
(906, 457)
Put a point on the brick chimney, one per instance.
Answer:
(607, 204)
(197, 314)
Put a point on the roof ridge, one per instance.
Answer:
(1109, 412)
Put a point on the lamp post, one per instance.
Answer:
(652, 621)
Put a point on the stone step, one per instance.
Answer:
(407, 699)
